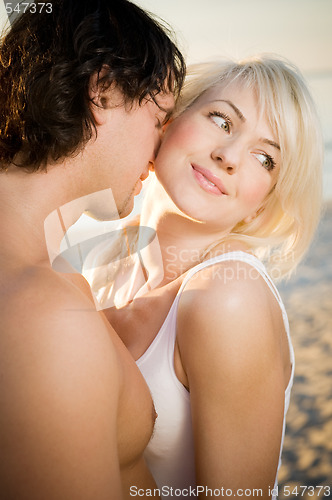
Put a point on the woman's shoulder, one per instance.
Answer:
(229, 327)
(231, 281)
(228, 304)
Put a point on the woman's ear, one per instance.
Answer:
(250, 218)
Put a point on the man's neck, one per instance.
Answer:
(28, 228)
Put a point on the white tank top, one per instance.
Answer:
(170, 452)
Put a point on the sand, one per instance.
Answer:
(307, 456)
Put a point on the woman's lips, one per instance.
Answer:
(209, 182)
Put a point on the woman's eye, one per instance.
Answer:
(266, 161)
(221, 121)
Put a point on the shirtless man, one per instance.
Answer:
(85, 87)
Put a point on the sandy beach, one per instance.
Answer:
(307, 457)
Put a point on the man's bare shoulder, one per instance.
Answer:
(51, 336)
(36, 292)
(59, 390)
(44, 312)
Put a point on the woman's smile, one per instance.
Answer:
(208, 181)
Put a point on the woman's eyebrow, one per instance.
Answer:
(271, 143)
(235, 108)
(243, 119)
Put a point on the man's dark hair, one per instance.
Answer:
(46, 63)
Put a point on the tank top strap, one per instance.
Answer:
(233, 256)
(167, 332)
(254, 262)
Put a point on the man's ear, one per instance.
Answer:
(99, 95)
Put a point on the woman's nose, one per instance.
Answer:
(227, 158)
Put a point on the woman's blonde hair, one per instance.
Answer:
(284, 228)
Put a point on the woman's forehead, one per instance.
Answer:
(228, 90)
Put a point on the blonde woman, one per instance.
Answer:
(234, 205)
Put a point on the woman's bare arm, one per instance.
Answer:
(231, 353)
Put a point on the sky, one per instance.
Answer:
(297, 29)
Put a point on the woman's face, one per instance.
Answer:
(220, 158)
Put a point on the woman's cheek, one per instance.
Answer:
(182, 136)
(256, 193)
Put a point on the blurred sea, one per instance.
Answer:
(320, 84)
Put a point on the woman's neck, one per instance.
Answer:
(182, 242)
